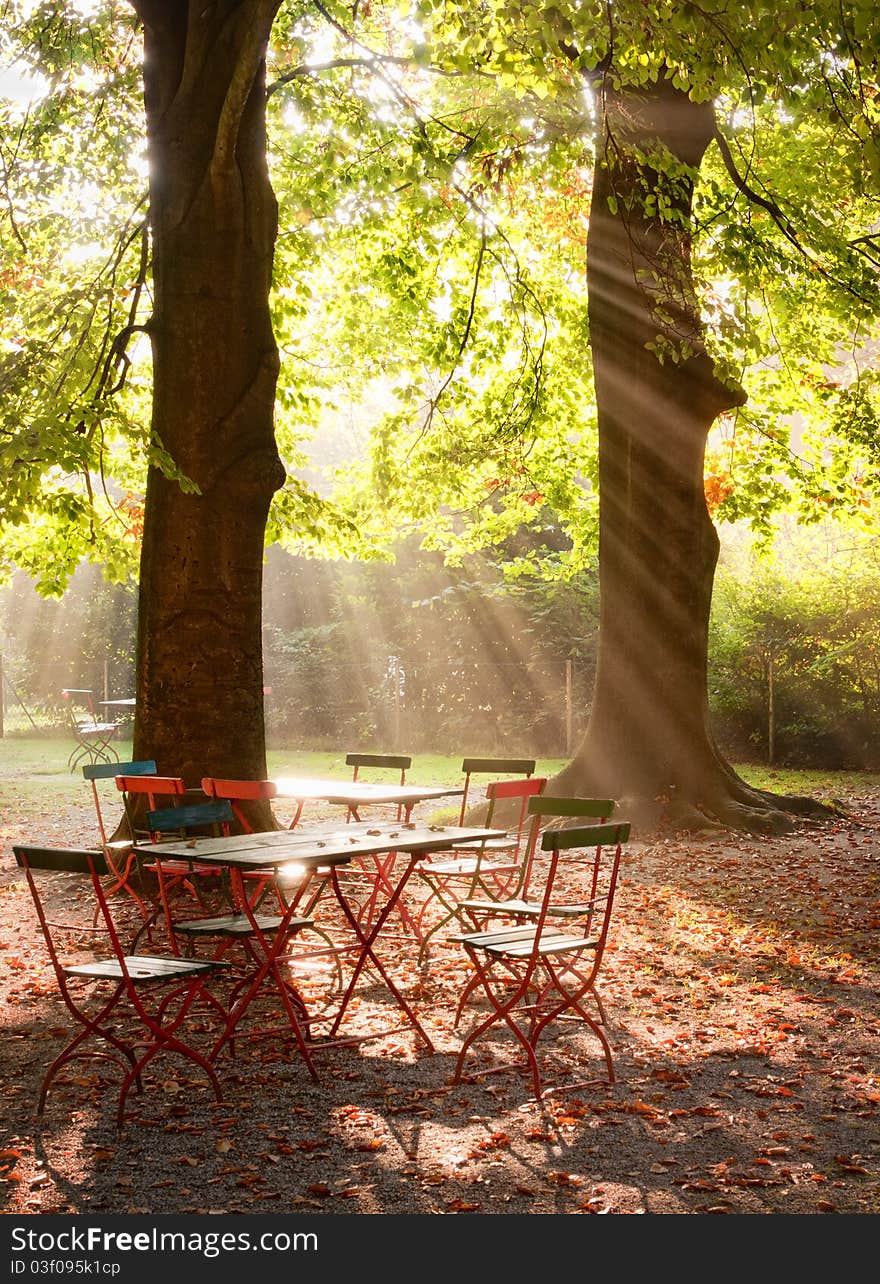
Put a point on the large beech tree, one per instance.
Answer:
(658, 394)
(649, 742)
(213, 220)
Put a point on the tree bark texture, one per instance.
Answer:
(648, 742)
(213, 222)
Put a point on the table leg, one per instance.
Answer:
(367, 951)
(293, 1003)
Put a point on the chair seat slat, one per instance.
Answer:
(143, 967)
(235, 925)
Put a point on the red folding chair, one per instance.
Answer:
(178, 875)
(539, 973)
(238, 925)
(242, 791)
(237, 793)
(498, 868)
(118, 979)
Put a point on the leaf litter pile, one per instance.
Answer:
(741, 986)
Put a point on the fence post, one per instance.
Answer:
(569, 721)
(395, 734)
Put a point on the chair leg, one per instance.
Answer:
(571, 1002)
(504, 1011)
(165, 1039)
(92, 1027)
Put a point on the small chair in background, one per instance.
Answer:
(398, 763)
(498, 769)
(92, 736)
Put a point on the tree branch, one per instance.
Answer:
(368, 62)
(784, 224)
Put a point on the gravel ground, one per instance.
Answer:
(741, 987)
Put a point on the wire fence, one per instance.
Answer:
(514, 707)
(517, 707)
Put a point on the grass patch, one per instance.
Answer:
(814, 783)
(34, 772)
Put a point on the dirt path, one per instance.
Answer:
(742, 991)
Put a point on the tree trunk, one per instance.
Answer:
(648, 743)
(213, 220)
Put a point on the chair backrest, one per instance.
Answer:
(151, 787)
(510, 767)
(585, 836)
(600, 808)
(384, 761)
(179, 821)
(95, 771)
(69, 860)
(238, 791)
(104, 770)
(602, 865)
(527, 791)
(60, 860)
(544, 807)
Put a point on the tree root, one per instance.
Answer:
(726, 804)
(800, 805)
(769, 820)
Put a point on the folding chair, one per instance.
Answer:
(239, 791)
(241, 926)
(128, 975)
(118, 851)
(496, 869)
(375, 871)
(244, 791)
(178, 874)
(498, 768)
(476, 913)
(537, 974)
(138, 784)
(398, 763)
(91, 735)
(215, 816)
(386, 762)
